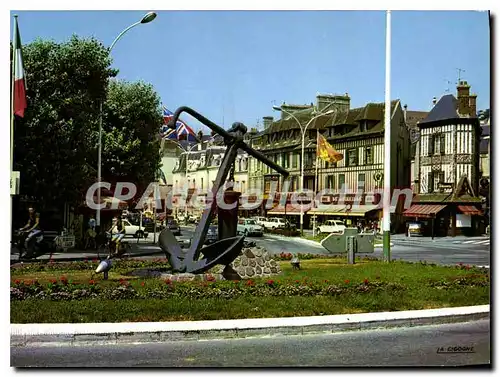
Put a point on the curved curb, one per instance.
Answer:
(69, 334)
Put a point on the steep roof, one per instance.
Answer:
(413, 117)
(446, 108)
(372, 111)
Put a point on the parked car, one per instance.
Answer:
(260, 220)
(331, 226)
(133, 230)
(415, 229)
(249, 227)
(275, 223)
(174, 227)
(212, 235)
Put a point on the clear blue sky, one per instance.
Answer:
(232, 65)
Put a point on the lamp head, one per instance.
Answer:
(148, 17)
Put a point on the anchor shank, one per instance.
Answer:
(202, 228)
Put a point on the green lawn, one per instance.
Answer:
(323, 286)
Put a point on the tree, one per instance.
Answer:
(55, 142)
(483, 114)
(132, 119)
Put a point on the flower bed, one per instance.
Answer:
(68, 290)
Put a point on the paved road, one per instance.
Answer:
(473, 251)
(415, 346)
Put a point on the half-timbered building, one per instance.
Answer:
(447, 201)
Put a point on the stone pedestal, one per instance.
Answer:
(228, 218)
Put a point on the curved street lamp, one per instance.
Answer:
(148, 17)
(303, 130)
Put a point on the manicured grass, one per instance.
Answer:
(364, 287)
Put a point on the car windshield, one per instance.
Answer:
(251, 222)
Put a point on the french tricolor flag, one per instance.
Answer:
(19, 102)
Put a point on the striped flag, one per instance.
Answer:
(19, 98)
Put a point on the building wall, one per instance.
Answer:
(458, 157)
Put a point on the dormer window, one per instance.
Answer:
(363, 125)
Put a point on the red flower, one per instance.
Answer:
(460, 264)
(17, 282)
(210, 277)
(249, 282)
(346, 281)
(53, 281)
(270, 282)
(326, 281)
(91, 282)
(142, 284)
(467, 267)
(168, 281)
(365, 281)
(297, 281)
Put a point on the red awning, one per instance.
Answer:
(423, 210)
(290, 209)
(469, 210)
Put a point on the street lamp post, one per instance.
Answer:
(303, 135)
(148, 17)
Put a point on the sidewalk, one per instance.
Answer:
(146, 249)
(22, 335)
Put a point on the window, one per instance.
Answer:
(330, 182)
(430, 182)
(363, 125)
(368, 156)
(194, 183)
(202, 184)
(430, 145)
(352, 157)
(341, 181)
(243, 186)
(442, 143)
(361, 181)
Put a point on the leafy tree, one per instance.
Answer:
(55, 143)
(132, 118)
(483, 114)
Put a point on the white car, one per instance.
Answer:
(274, 223)
(132, 230)
(331, 226)
(249, 227)
(260, 220)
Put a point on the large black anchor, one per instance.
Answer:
(229, 245)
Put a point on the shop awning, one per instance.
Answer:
(424, 210)
(360, 210)
(469, 210)
(330, 210)
(289, 210)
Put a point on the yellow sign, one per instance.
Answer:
(326, 152)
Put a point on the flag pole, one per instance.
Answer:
(13, 77)
(316, 182)
(12, 117)
(387, 147)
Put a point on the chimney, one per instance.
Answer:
(268, 121)
(472, 105)
(342, 102)
(463, 90)
(405, 109)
